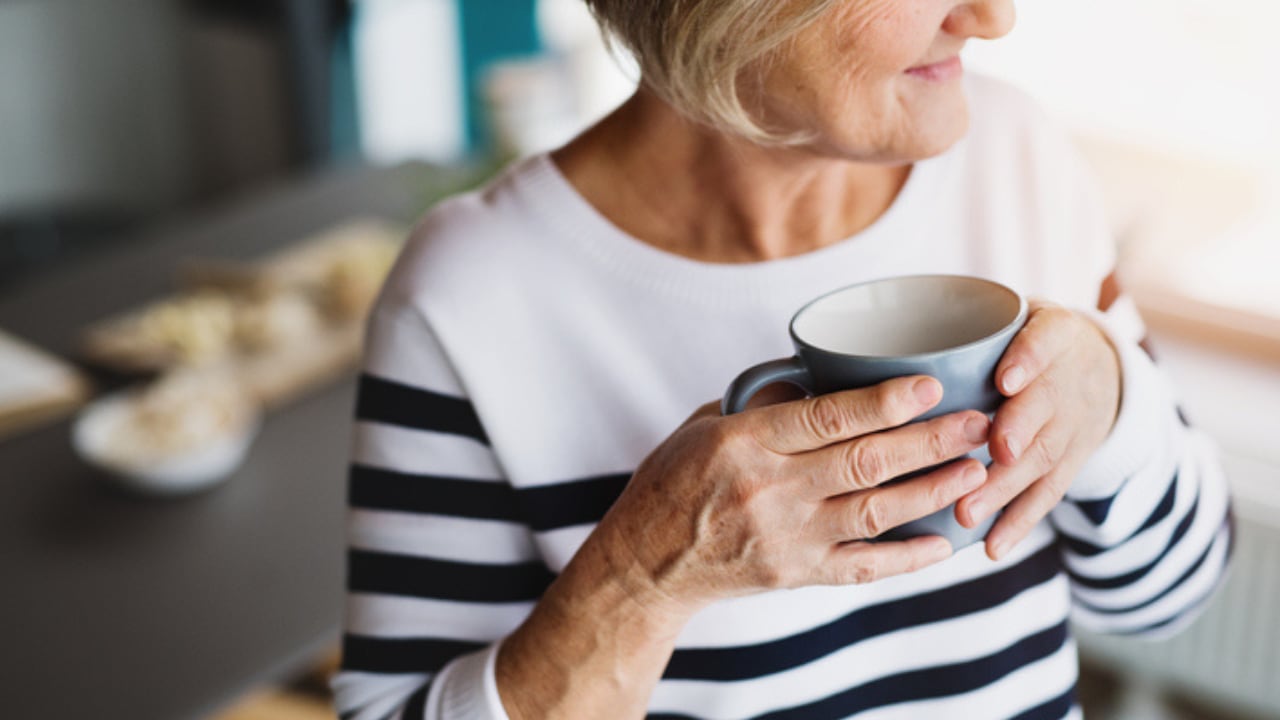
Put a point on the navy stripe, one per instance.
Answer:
(377, 489)
(924, 684)
(361, 653)
(1129, 578)
(1194, 607)
(1173, 586)
(934, 682)
(1096, 510)
(1055, 709)
(393, 403)
(751, 661)
(388, 574)
(1165, 506)
(577, 502)
(416, 708)
(543, 508)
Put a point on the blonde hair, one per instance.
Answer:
(695, 53)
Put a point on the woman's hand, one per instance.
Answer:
(1062, 377)
(782, 496)
(775, 497)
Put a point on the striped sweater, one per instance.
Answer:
(526, 355)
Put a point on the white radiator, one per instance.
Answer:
(1231, 655)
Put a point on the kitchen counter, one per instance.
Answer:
(119, 606)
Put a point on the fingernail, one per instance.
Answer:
(926, 391)
(975, 428)
(977, 511)
(1011, 443)
(1013, 379)
(942, 551)
(972, 478)
(998, 548)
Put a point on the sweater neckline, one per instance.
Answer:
(548, 194)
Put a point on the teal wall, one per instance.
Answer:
(492, 30)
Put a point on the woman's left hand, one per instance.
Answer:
(1061, 376)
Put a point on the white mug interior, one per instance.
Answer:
(910, 315)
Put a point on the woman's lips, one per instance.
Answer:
(943, 71)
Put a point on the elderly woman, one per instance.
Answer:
(535, 533)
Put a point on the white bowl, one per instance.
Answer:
(186, 472)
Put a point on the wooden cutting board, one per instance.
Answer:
(285, 370)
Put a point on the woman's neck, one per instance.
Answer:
(694, 192)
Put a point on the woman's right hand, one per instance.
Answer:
(785, 495)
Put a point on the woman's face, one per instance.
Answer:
(878, 80)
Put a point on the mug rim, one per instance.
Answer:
(1016, 321)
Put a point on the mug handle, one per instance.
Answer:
(752, 380)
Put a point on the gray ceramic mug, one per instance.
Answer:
(952, 327)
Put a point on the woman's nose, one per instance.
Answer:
(987, 19)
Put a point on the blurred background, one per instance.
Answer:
(198, 199)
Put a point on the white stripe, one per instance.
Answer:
(1142, 549)
(393, 616)
(1179, 600)
(375, 693)
(560, 545)
(442, 537)
(957, 640)
(1209, 515)
(775, 615)
(402, 349)
(1017, 692)
(407, 450)
(1137, 498)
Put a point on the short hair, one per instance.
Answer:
(694, 53)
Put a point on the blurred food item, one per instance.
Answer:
(275, 319)
(197, 328)
(292, 369)
(180, 412)
(190, 329)
(186, 431)
(354, 276)
(304, 266)
(280, 326)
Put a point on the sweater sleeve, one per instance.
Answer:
(1146, 528)
(439, 566)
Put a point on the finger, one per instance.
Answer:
(1006, 482)
(862, 562)
(1020, 419)
(1050, 331)
(1026, 511)
(867, 514)
(803, 425)
(873, 459)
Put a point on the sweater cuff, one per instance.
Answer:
(1146, 400)
(467, 688)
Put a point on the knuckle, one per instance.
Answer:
(889, 405)
(942, 440)
(865, 571)
(1042, 453)
(727, 436)
(866, 465)
(824, 417)
(742, 495)
(940, 492)
(872, 517)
